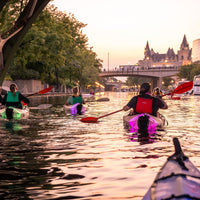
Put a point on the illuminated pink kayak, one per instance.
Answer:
(72, 109)
(143, 121)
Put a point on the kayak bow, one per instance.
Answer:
(177, 179)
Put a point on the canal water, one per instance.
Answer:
(54, 156)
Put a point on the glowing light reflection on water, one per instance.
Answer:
(56, 156)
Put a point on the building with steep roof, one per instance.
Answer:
(169, 59)
(196, 51)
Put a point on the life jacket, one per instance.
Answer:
(78, 99)
(144, 105)
(13, 99)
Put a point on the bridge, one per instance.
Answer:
(156, 74)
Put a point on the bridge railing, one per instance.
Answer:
(172, 68)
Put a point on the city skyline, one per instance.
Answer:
(121, 29)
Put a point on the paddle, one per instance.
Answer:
(40, 92)
(41, 107)
(94, 119)
(181, 88)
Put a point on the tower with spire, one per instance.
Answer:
(184, 54)
(147, 52)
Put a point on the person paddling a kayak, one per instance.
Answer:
(145, 103)
(13, 98)
(76, 98)
(157, 93)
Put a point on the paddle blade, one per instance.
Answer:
(183, 88)
(45, 90)
(89, 119)
(24, 104)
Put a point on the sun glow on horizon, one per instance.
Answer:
(122, 28)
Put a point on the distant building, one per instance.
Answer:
(169, 59)
(196, 51)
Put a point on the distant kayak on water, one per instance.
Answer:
(173, 97)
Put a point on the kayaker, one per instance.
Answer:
(157, 93)
(14, 98)
(76, 98)
(145, 103)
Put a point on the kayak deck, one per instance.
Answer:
(177, 179)
(130, 122)
(71, 109)
(18, 114)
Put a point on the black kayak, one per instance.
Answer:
(177, 179)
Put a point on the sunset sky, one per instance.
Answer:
(122, 27)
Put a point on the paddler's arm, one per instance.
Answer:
(83, 101)
(125, 108)
(23, 98)
(69, 101)
(4, 99)
(130, 105)
(165, 105)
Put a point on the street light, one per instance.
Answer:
(80, 74)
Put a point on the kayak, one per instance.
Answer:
(88, 97)
(174, 97)
(143, 121)
(177, 179)
(14, 113)
(72, 109)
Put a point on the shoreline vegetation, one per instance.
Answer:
(54, 49)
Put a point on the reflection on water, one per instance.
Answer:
(55, 156)
(150, 138)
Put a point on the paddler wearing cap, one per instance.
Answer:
(145, 103)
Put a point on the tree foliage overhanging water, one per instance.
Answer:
(54, 50)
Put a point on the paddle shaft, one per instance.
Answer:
(29, 95)
(41, 91)
(109, 114)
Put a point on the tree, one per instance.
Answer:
(54, 50)
(195, 71)
(136, 81)
(12, 35)
(56, 44)
(168, 81)
(189, 71)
